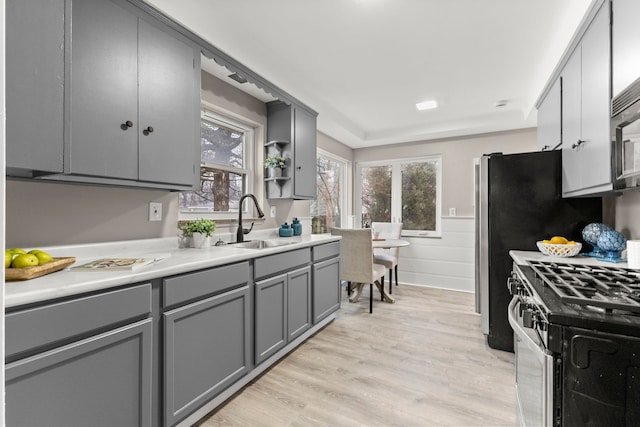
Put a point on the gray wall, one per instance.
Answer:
(627, 214)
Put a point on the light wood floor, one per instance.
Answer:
(419, 362)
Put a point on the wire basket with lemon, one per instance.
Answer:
(559, 246)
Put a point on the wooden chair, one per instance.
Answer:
(356, 262)
(387, 257)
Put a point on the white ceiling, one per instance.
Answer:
(364, 64)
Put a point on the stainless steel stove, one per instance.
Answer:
(577, 343)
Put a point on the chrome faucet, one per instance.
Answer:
(242, 231)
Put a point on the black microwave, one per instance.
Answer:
(625, 137)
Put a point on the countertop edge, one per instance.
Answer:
(175, 261)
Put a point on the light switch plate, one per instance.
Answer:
(155, 211)
(273, 212)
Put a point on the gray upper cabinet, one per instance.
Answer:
(292, 131)
(134, 96)
(625, 44)
(586, 147)
(118, 103)
(34, 98)
(550, 118)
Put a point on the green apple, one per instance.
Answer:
(18, 251)
(8, 257)
(43, 257)
(25, 260)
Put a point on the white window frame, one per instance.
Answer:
(343, 179)
(208, 112)
(396, 191)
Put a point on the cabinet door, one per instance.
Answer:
(103, 91)
(271, 317)
(101, 381)
(298, 302)
(206, 349)
(169, 74)
(304, 174)
(571, 121)
(34, 85)
(326, 288)
(550, 118)
(625, 44)
(595, 152)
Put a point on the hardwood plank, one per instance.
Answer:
(419, 362)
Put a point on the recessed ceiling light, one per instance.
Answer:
(426, 105)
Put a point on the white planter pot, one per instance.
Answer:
(201, 240)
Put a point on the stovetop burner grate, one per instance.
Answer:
(610, 288)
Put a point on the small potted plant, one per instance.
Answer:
(201, 230)
(275, 163)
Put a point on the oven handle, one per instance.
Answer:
(540, 352)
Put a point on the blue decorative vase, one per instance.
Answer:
(285, 230)
(297, 227)
(613, 242)
(590, 235)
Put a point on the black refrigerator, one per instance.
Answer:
(518, 202)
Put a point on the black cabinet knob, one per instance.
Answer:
(126, 125)
(148, 130)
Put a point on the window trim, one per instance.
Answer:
(209, 112)
(344, 179)
(396, 188)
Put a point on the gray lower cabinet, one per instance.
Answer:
(100, 381)
(206, 349)
(207, 343)
(84, 361)
(326, 288)
(282, 311)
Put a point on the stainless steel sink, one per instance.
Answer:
(261, 244)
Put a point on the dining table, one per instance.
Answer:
(378, 243)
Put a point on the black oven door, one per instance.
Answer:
(534, 372)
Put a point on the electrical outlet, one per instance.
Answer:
(155, 211)
(452, 211)
(273, 212)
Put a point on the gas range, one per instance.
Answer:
(577, 343)
(604, 298)
(599, 287)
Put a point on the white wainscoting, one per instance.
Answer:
(447, 262)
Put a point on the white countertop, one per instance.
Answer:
(521, 257)
(175, 261)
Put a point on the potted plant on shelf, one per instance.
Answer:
(275, 163)
(201, 230)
